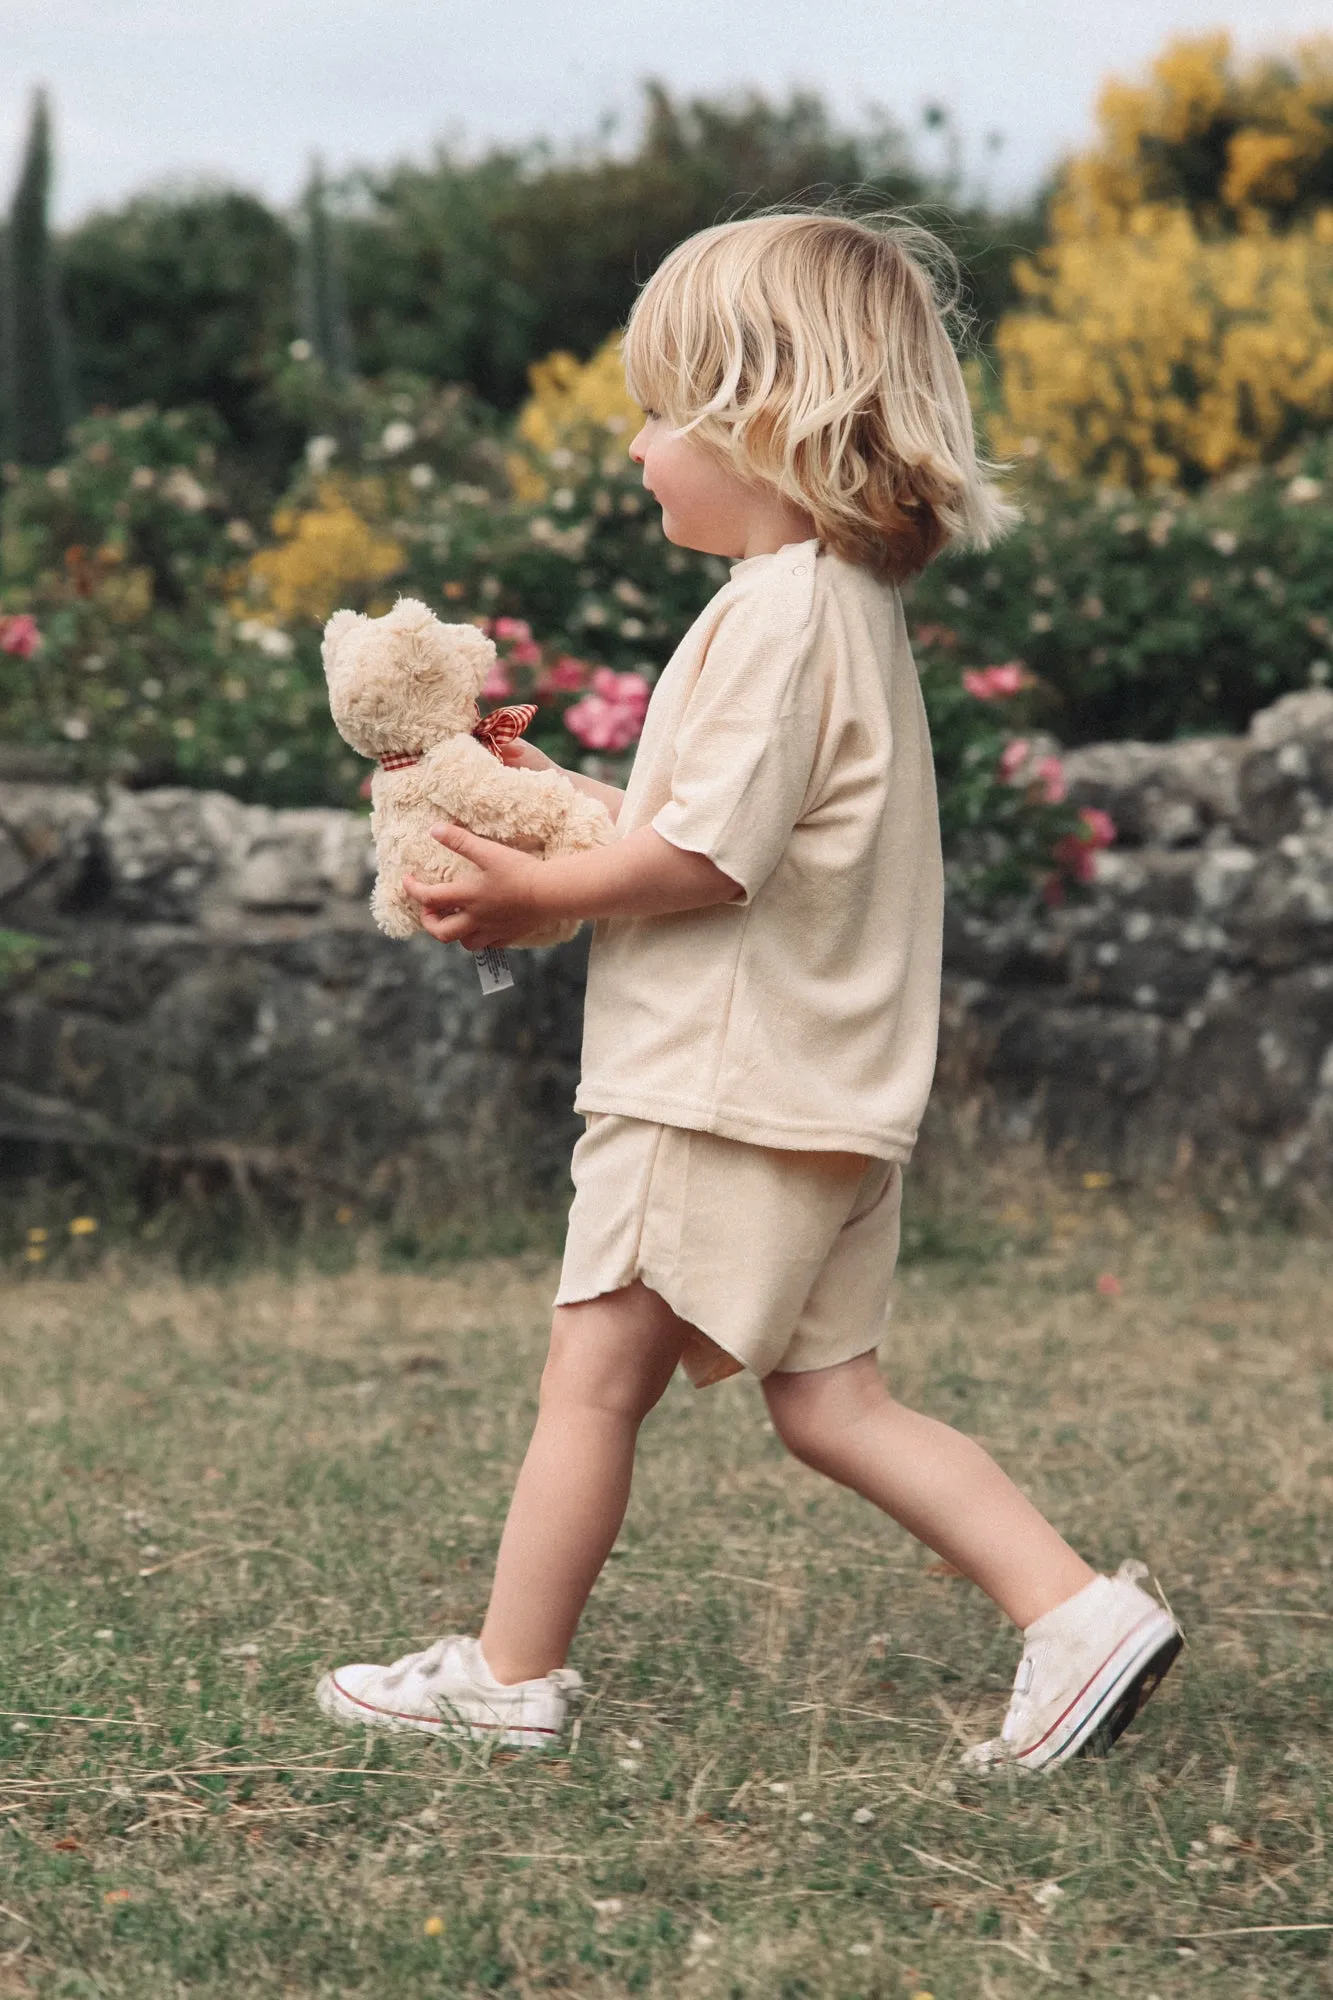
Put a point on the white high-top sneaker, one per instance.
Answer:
(1087, 1669)
(448, 1690)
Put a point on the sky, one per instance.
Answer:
(150, 91)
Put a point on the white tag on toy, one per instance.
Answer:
(493, 969)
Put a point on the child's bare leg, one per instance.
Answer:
(610, 1361)
(939, 1485)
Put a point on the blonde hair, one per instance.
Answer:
(811, 350)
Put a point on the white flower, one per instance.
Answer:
(1303, 488)
(628, 1763)
(859, 1950)
(270, 639)
(1040, 621)
(397, 436)
(142, 477)
(956, 595)
(300, 350)
(631, 628)
(804, 1819)
(421, 476)
(241, 533)
(318, 452)
(1047, 1895)
(593, 614)
(563, 498)
(607, 1906)
(104, 1632)
(560, 458)
(234, 766)
(183, 727)
(778, 1786)
(151, 690)
(184, 491)
(58, 479)
(702, 1940)
(1224, 541)
(75, 727)
(634, 1743)
(627, 592)
(862, 1816)
(276, 759)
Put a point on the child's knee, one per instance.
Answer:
(810, 1410)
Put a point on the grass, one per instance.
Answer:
(211, 1491)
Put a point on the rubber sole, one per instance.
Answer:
(348, 1709)
(1145, 1683)
(1105, 1707)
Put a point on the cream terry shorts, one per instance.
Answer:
(777, 1259)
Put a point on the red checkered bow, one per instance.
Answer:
(504, 725)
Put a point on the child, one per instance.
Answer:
(763, 989)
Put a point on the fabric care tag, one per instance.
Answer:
(493, 969)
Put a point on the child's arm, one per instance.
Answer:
(527, 757)
(510, 894)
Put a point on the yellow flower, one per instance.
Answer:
(34, 1254)
(327, 556)
(37, 1235)
(434, 1927)
(577, 408)
(83, 1225)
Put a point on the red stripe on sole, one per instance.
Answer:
(442, 1722)
(1073, 1704)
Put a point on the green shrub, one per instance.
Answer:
(1155, 618)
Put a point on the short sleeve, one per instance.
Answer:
(746, 746)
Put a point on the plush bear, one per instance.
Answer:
(403, 689)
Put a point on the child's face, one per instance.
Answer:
(705, 505)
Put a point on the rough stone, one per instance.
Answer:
(205, 983)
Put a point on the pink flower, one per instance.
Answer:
(997, 683)
(527, 653)
(1100, 825)
(611, 716)
(1109, 1285)
(567, 676)
(497, 683)
(19, 635)
(1013, 757)
(1076, 856)
(512, 628)
(1050, 774)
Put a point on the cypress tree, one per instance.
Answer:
(323, 297)
(38, 398)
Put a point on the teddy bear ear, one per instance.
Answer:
(409, 614)
(341, 622)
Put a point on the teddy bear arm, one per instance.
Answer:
(527, 807)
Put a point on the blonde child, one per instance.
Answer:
(763, 988)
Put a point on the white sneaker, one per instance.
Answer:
(1087, 1669)
(448, 1690)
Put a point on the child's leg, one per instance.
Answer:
(939, 1485)
(611, 1359)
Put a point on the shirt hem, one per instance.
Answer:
(786, 1136)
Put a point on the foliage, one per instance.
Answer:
(124, 553)
(323, 291)
(466, 269)
(38, 396)
(1180, 321)
(178, 299)
(1153, 618)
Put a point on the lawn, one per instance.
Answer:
(211, 1491)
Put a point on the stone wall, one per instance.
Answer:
(205, 986)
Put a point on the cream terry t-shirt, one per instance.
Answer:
(787, 741)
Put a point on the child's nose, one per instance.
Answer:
(636, 448)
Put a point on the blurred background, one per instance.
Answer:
(308, 308)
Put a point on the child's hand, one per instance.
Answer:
(495, 904)
(521, 756)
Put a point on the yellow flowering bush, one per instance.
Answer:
(326, 556)
(1180, 322)
(571, 402)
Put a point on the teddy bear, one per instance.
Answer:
(403, 689)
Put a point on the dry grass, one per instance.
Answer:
(212, 1492)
